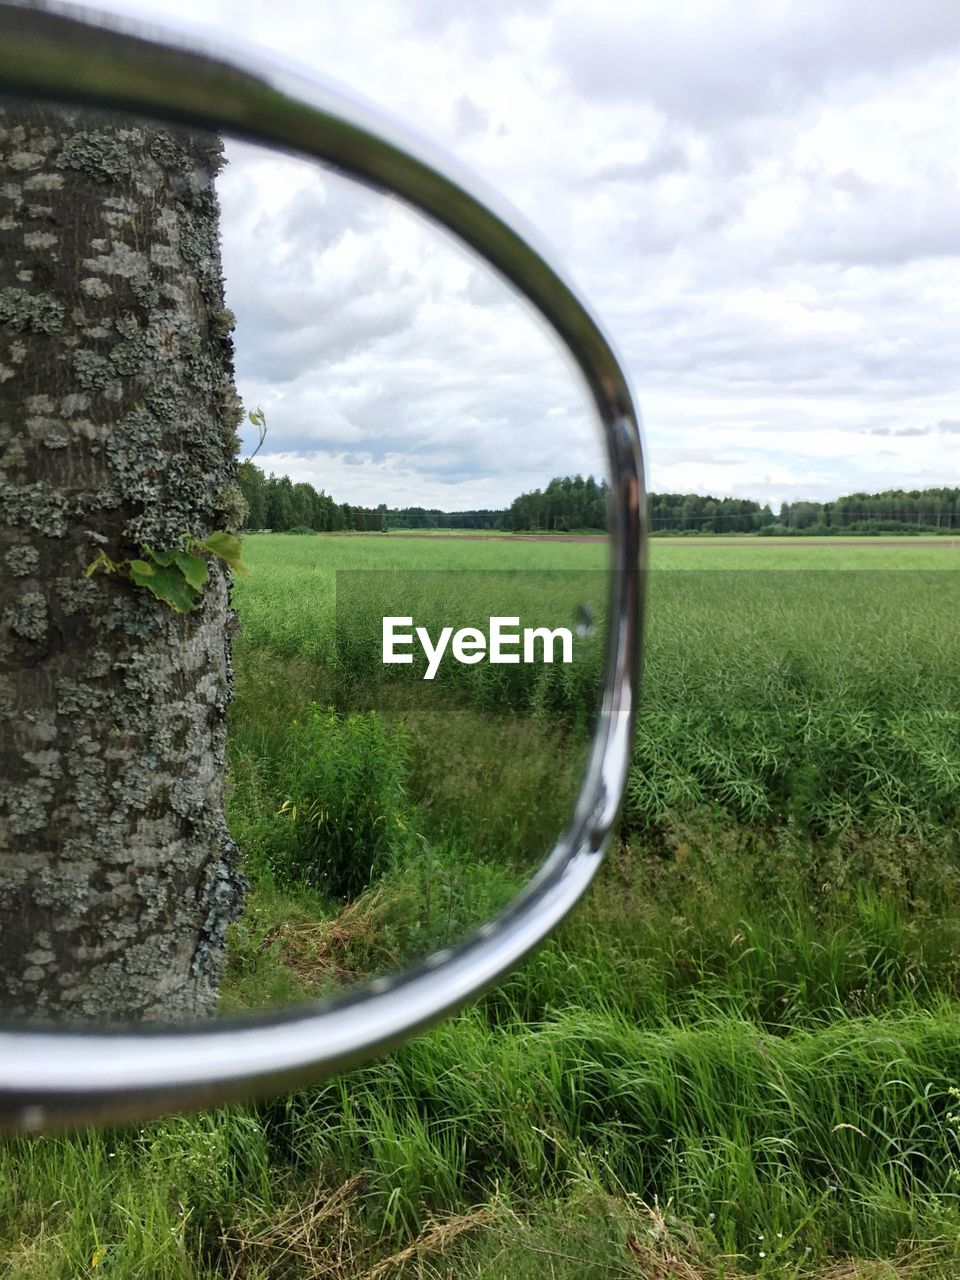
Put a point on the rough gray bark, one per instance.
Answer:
(118, 419)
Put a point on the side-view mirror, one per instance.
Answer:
(51, 1077)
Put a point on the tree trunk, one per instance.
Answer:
(118, 418)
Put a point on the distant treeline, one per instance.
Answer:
(572, 502)
(568, 502)
(433, 518)
(276, 503)
(892, 511)
(575, 503)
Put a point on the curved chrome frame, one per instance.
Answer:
(50, 1079)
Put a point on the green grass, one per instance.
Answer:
(830, 698)
(737, 1058)
(799, 553)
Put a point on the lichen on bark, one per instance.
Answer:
(118, 417)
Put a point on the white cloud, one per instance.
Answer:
(760, 199)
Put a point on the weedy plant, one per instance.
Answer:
(346, 805)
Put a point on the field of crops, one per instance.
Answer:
(783, 683)
(740, 1057)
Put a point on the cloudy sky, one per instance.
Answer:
(760, 199)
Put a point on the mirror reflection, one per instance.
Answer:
(303, 578)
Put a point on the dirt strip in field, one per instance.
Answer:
(946, 541)
(906, 541)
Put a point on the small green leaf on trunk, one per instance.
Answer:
(227, 547)
(169, 585)
(165, 558)
(193, 568)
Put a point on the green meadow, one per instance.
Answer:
(739, 1057)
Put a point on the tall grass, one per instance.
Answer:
(830, 700)
(739, 1056)
(826, 699)
(774, 1153)
(824, 1138)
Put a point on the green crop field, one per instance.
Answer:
(740, 1056)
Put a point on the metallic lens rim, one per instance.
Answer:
(52, 1079)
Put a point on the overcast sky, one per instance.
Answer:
(761, 200)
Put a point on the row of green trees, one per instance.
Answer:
(698, 513)
(275, 502)
(926, 508)
(568, 502)
(571, 502)
(434, 518)
(575, 502)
